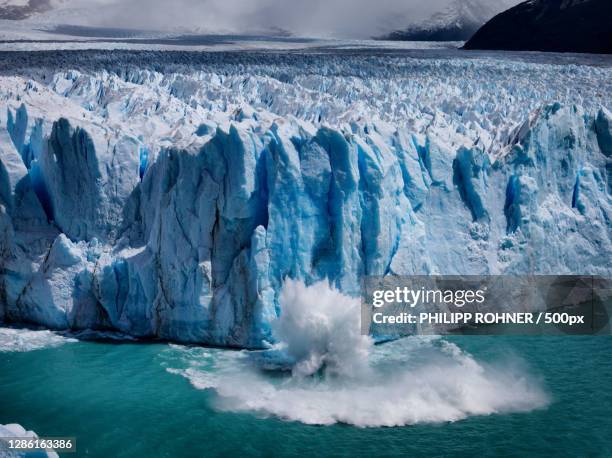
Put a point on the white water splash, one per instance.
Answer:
(319, 327)
(22, 340)
(414, 380)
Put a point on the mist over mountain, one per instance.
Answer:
(18, 10)
(457, 21)
(335, 18)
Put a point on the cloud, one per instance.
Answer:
(309, 17)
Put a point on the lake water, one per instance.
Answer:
(163, 400)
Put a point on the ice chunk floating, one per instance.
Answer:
(23, 340)
(17, 431)
(174, 202)
(415, 380)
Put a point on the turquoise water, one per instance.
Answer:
(120, 400)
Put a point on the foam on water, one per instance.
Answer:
(414, 380)
(22, 340)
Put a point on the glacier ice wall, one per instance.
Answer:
(175, 205)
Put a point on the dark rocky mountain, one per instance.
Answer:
(549, 25)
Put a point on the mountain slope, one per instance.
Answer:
(549, 25)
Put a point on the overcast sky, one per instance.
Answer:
(346, 17)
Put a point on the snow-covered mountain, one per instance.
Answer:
(457, 22)
(174, 199)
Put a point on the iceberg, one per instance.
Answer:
(18, 431)
(159, 204)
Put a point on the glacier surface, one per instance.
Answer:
(173, 201)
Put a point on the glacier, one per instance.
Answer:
(174, 200)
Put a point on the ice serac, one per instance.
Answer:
(88, 176)
(196, 245)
